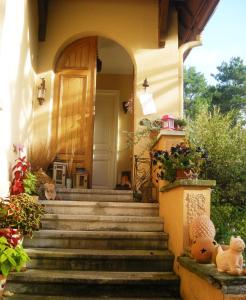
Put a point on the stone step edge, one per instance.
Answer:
(99, 204)
(94, 191)
(55, 253)
(42, 297)
(101, 218)
(102, 277)
(100, 234)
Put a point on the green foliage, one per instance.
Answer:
(179, 123)
(230, 90)
(145, 136)
(30, 183)
(11, 258)
(196, 92)
(228, 220)
(226, 145)
(180, 157)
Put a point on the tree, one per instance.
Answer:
(196, 94)
(230, 91)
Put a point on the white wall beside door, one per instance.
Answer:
(105, 139)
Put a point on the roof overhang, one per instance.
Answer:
(193, 16)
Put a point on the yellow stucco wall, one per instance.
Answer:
(134, 25)
(124, 84)
(18, 49)
(178, 206)
(201, 290)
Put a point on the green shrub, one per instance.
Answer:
(228, 220)
(225, 142)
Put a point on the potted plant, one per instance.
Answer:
(181, 162)
(146, 135)
(21, 212)
(179, 124)
(24, 181)
(151, 128)
(30, 184)
(12, 255)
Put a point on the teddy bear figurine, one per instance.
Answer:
(231, 260)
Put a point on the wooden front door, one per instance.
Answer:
(74, 112)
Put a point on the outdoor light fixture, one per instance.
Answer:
(146, 100)
(128, 105)
(145, 84)
(168, 122)
(41, 91)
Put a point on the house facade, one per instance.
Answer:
(93, 57)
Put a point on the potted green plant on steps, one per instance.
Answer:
(12, 255)
(182, 162)
(30, 184)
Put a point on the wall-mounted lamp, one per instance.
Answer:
(146, 100)
(128, 105)
(41, 91)
(145, 84)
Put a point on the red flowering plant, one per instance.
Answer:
(24, 181)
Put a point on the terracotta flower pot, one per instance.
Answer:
(202, 250)
(2, 285)
(181, 174)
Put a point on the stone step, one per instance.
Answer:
(42, 297)
(101, 260)
(95, 195)
(97, 240)
(111, 284)
(101, 208)
(100, 223)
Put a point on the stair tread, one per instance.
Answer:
(94, 191)
(63, 253)
(99, 203)
(33, 275)
(110, 218)
(99, 234)
(43, 297)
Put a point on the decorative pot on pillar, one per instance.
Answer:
(202, 250)
(181, 174)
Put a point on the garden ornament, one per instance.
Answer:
(231, 260)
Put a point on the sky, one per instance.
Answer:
(223, 37)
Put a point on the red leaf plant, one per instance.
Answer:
(12, 235)
(20, 169)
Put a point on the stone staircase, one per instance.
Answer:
(98, 244)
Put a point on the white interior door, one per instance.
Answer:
(105, 139)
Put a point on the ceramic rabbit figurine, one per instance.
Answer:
(231, 260)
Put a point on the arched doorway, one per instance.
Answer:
(89, 97)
